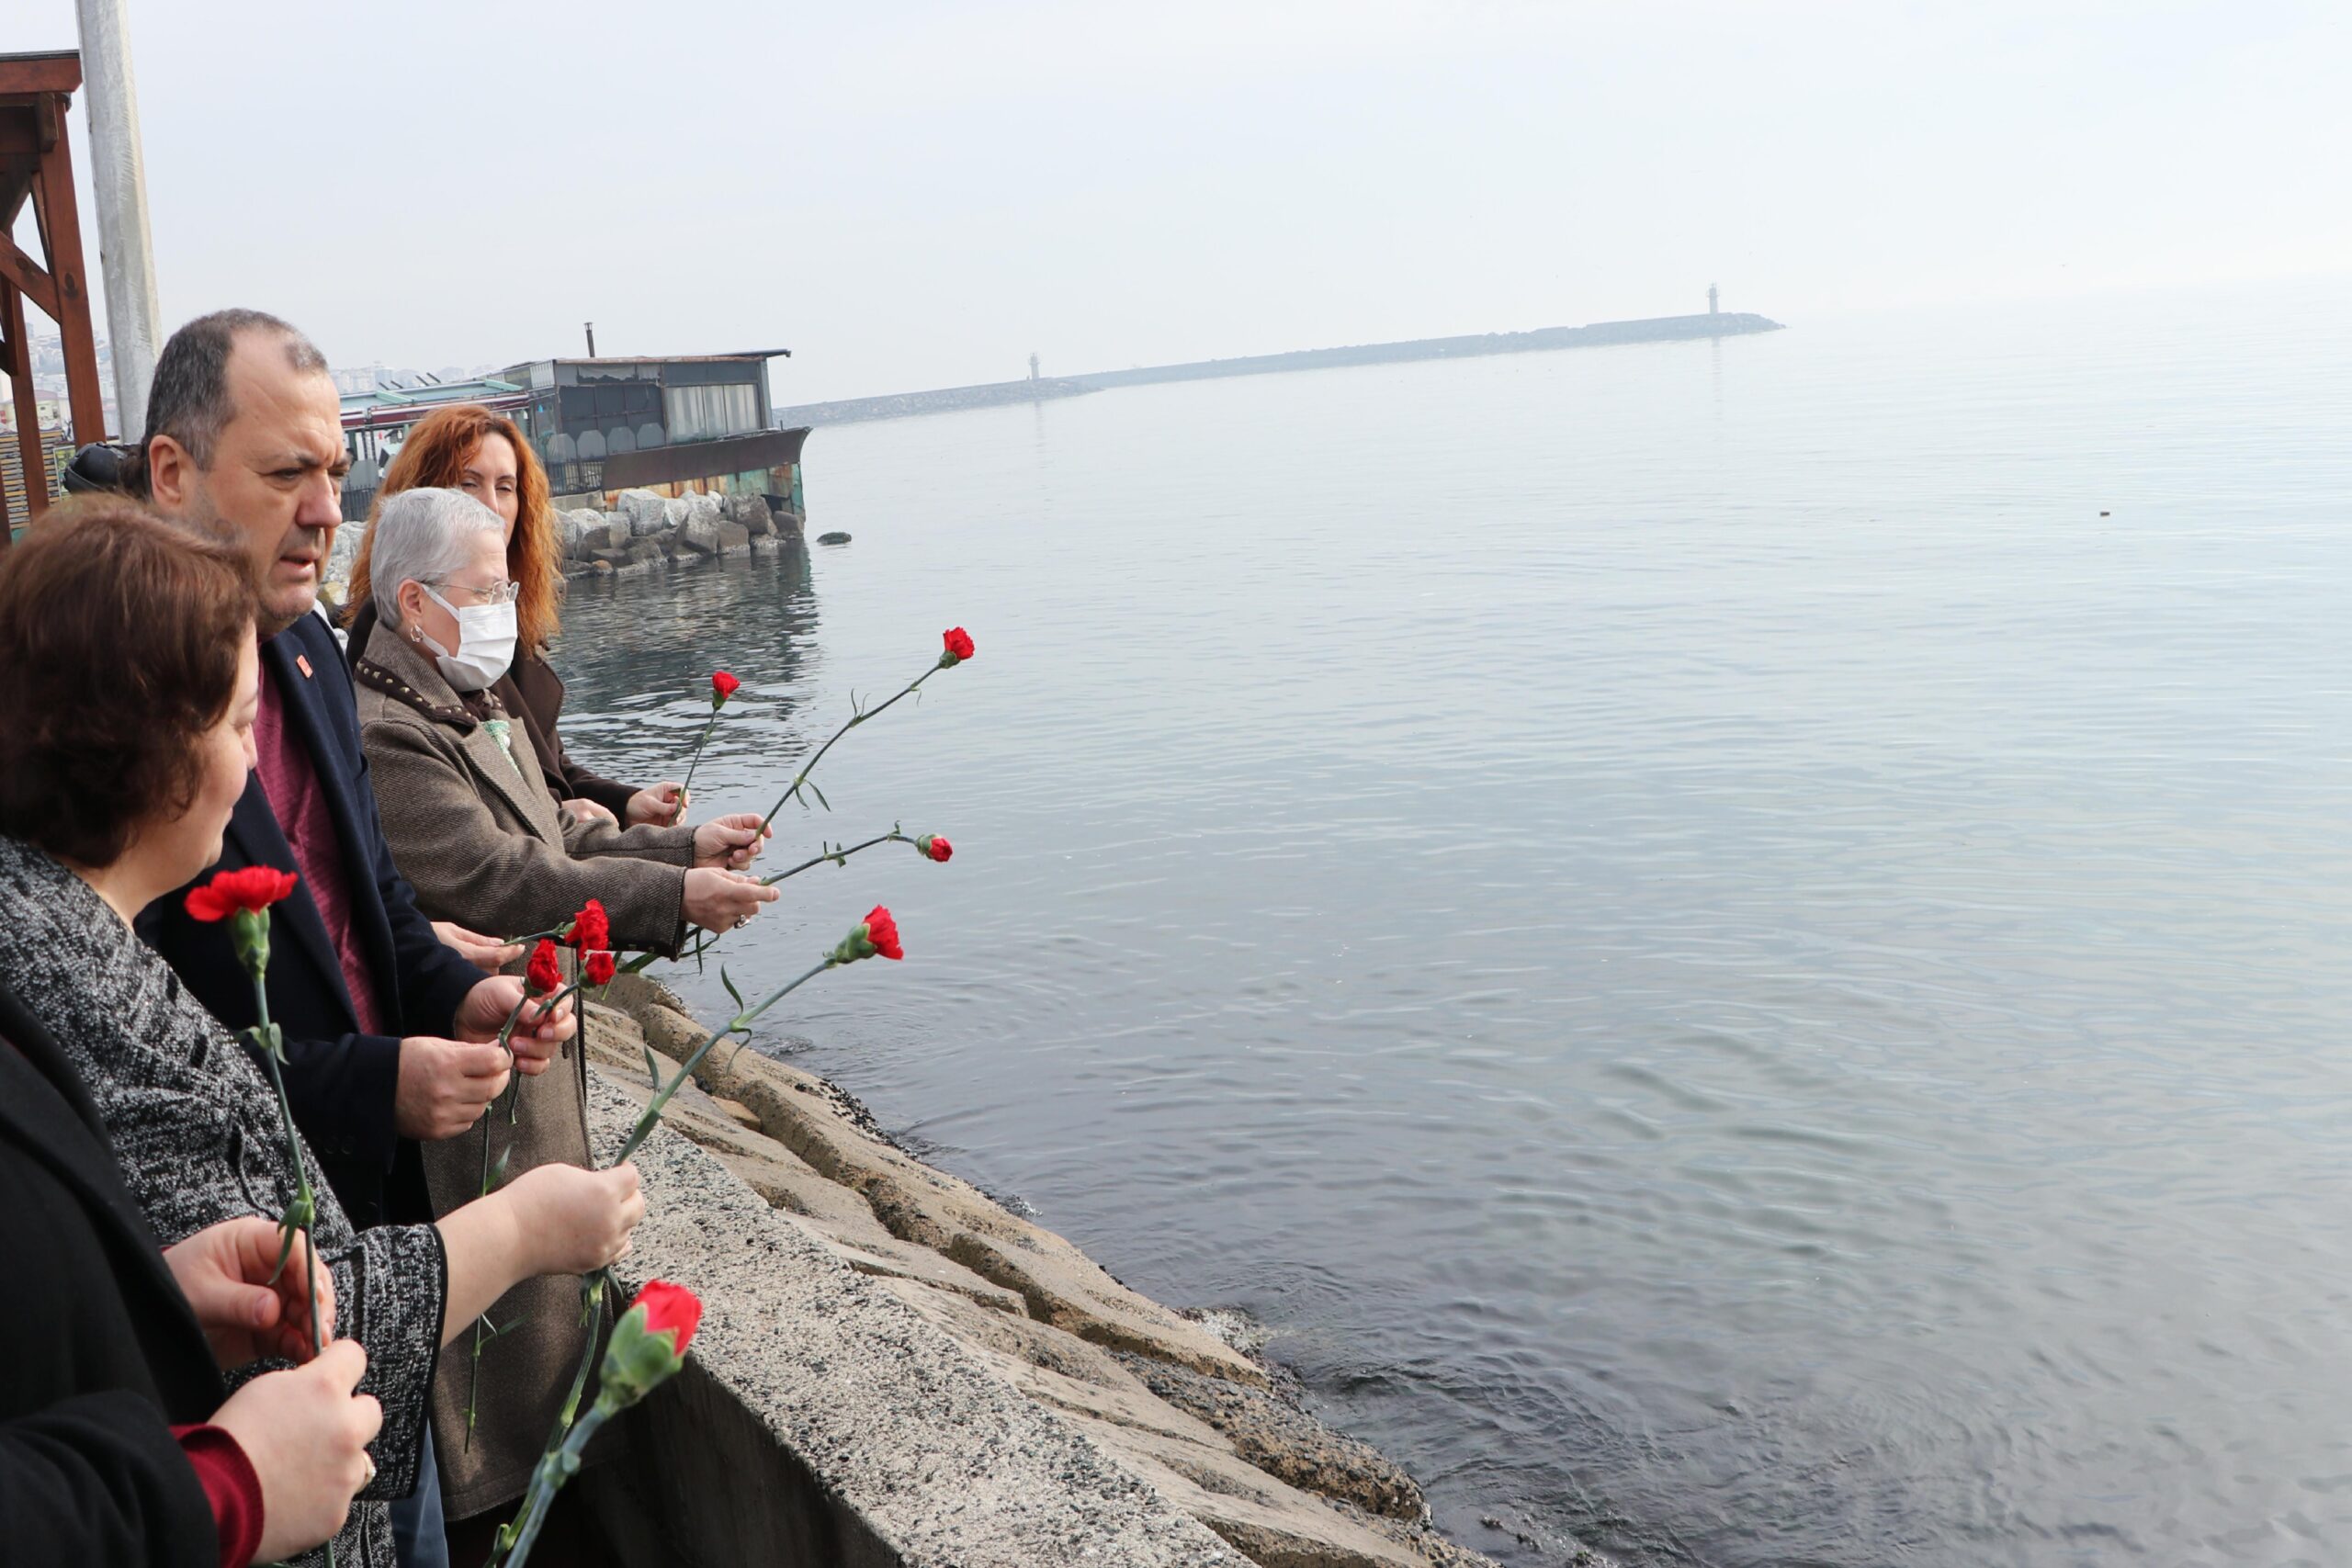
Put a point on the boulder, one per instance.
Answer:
(751, 511)
(1284, 1440)
(674, 511)
(1059, 1284)
(586, 530)
(346, 550)
(733, 537)
(645, 511)
(700, 533)
(702, 507)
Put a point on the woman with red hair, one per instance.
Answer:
(468, 448)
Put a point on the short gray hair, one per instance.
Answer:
(422, 535)
(188, 400)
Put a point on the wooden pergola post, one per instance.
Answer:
(37, 166)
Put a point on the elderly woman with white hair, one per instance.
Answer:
(474, 825)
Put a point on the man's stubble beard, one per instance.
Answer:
(269, 618)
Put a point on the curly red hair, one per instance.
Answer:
(434, 456)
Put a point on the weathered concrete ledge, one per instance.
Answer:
(894, 1368)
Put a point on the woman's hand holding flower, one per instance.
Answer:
(226, 1273)
(588, 812)
(720, 900)
(732, 842)
(662, 806)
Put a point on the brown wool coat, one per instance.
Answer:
(484, 845)
(479, 838)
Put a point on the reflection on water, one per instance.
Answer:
(1741, 947)
(632, 642)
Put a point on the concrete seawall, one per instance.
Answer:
(893, 1369)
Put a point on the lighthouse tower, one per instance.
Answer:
(1711, 300)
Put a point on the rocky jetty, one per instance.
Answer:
(897, 1369)
(645, 527)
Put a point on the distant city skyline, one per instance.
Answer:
(924, 195)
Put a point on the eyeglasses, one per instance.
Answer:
(502, 594)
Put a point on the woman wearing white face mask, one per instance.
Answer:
(475, 829)
(465, 805)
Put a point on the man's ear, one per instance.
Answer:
(171, 475)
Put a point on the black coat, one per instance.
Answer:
(340, 1081)
(106, 1356)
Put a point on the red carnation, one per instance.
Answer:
(936, 846)
(589, 929)
(670, 1309)
(600, 968)
(722, 686)
(545, 976)
(254, 887)
(883, 933)
(958, 647)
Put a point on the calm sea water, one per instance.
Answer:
(1742, 948)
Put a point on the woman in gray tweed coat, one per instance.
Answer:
(107, 803)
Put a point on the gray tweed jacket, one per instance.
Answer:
(476, 832)
(196, 1126)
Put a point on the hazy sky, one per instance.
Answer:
(918, 194)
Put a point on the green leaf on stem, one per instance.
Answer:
(286, 1229)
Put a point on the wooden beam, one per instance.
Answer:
(27, 276)
(20, 381)
(56, 71)
(63, 230)
(19, 133)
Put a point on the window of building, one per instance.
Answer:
(703, 413)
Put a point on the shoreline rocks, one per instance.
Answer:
(644, 528)
(1157, 1395)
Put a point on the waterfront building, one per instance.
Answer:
(604, 426)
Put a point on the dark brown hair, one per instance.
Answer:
(119, 640)
(434, 458)
(189, 398)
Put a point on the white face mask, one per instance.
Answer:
(485, 644)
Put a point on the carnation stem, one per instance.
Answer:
(646, 1123)
(892, 837)
(305, 1200)
(513, 1114)
(792, 792)
(555, 1468)
(708, 726)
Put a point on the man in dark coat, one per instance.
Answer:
(390, 1034)
(105, 1451)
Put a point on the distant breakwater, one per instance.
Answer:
(988, 394)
